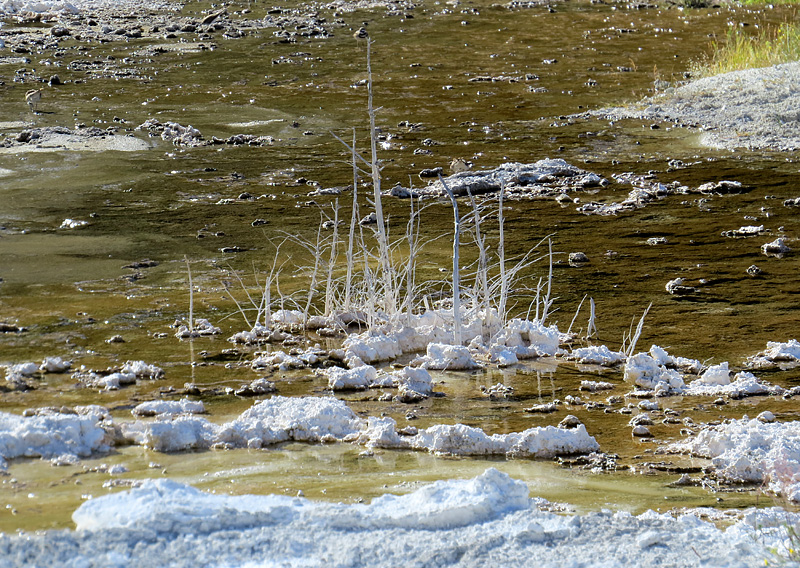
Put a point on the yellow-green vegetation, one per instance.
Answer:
(771, 3)
(742, 50)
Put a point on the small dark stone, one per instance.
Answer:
(431, 172)
(146, 263)
(211, 17)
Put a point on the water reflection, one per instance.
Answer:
(502, 92)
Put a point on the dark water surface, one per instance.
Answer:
(69, 289)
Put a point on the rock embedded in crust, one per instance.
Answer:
(546, 408)
(569, 421)
(777, 248)
(578, 258)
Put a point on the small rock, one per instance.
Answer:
(146, 263)
(766, 417)
(776, 248)
(542, 408)
(570, 421)
(721, 187)
(255, 388)
(578, 258)
(648, 405)
(641, 431)
(641, 420)
(370, 219)
(431, 172)
(683, 481)
(677, 288)
(459, 165)
(211, 17)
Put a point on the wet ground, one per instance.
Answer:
(486, 83)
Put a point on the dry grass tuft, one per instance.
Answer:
(741, 50)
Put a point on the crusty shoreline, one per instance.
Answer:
(755, 109)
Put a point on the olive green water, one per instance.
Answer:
(68, 287)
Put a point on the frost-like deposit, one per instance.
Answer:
(775, 354)
(528, 339)
(21, 370)
(417, 380)
(778, 248)
(73, 224)
(752, 451)
(52, 434)
(715, 375)
(485, 521)
(280, 361)
(442, 356)
(448, 504)
(38, 6)
(743, 384)
(597, 355)
(348, 379)
(595, 386)
(200, 328)
(502, 356)
(113, 380)
(368, 348)
(278, 419)
(54, 365)
(682, 363)
(259, 334)
(534, 442)
(168, 407)
(519, 339)
(646, 372)
(288, 317)
(459, 439)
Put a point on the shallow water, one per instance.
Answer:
(69, 287)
